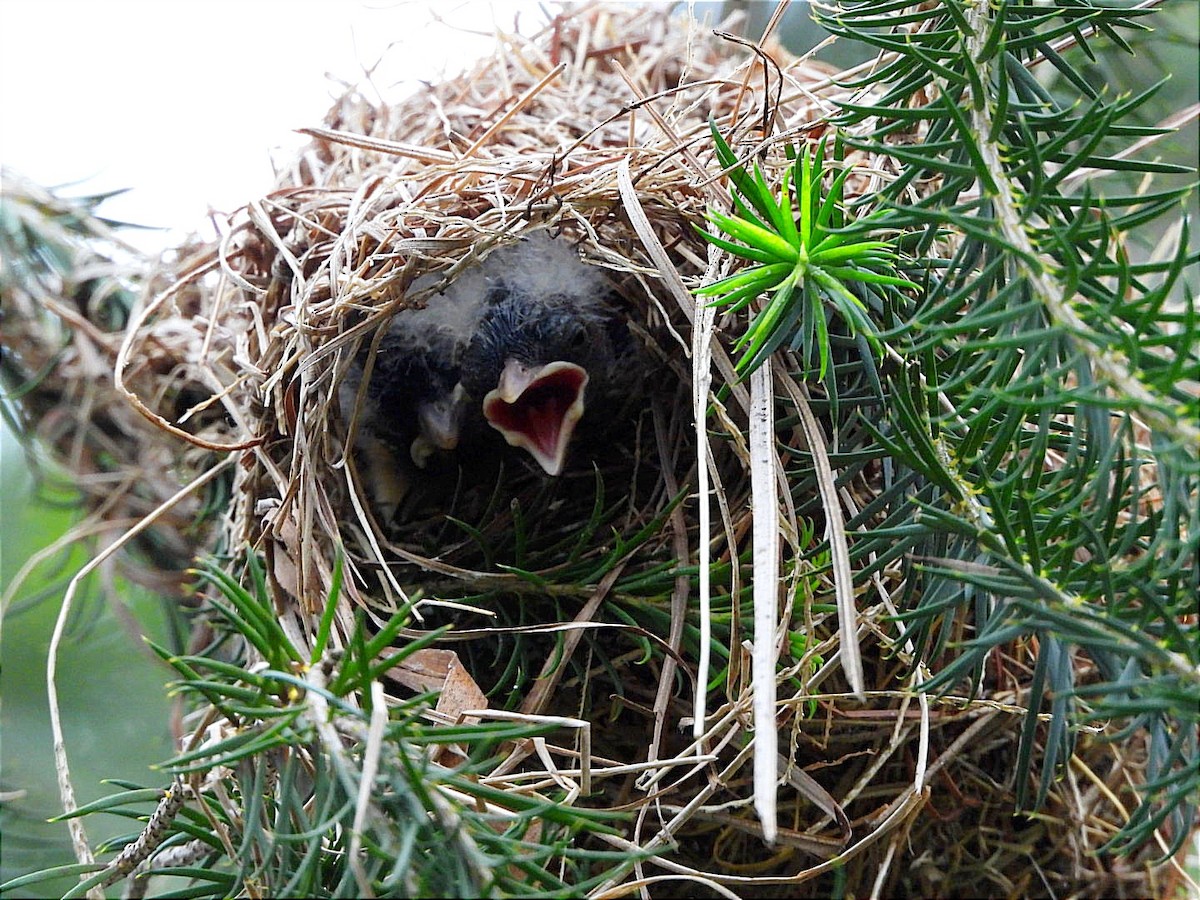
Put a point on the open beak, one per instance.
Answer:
(536, 408)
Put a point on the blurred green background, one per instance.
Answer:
(114, 707)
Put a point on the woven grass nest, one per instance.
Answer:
(573, 598)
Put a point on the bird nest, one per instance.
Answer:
(572, 599)
(593, 135)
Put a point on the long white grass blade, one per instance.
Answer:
(763, 461)
(701, 382)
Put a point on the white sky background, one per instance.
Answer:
(184, 101)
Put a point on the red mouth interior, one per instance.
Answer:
(540, 410)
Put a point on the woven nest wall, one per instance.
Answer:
(594, 132)
(388, 206)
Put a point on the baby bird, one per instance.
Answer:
(414, 397)
(546, 334)
(413, 407)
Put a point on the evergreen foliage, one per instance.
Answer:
(1042, 416)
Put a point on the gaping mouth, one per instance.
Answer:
(537, 409)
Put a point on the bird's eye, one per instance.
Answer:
(578, 336)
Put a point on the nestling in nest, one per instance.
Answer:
(519, 348)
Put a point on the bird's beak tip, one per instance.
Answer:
(440, 426)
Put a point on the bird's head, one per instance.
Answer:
(529, 364)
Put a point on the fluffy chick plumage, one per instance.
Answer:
(548, 337)
(411, 409)
(534, 303)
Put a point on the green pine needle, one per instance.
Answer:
(801, 259)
